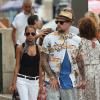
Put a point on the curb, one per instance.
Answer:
(5, 97)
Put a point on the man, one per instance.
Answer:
(20, 22)
(59, 51)
(53, 25)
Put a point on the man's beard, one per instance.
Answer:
(60, 30)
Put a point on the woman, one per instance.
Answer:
(26, 73)
(96, 18)
(90, 52)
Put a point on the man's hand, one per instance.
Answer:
(54, 83)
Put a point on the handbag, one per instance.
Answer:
(15, 95)
(42, 93)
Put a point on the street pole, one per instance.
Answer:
(80, 7)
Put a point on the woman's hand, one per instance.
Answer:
(12, 87)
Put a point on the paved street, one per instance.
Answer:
(5, 97)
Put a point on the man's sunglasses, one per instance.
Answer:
(28, 33)
(60, 22)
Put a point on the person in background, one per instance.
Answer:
(90, 53)
(59, 51)
(38, 23)
(93, 15)
(20, 22)
(97, 20)
(35, 21)
(27, 71)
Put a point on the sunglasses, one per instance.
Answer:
(28, 33)
(60, 22)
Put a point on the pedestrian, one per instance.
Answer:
(27, 71)
(51, 24)
(20, 22)
(59, 51)
(38, 23)
(35, 21)
(90, 52)
(96, 18)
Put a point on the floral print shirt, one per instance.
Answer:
(55, 45)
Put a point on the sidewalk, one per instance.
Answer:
(5, 97)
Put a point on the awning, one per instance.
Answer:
(94, 6)
(13, 4)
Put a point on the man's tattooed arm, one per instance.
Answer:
(45, 64)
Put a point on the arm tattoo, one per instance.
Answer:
(45, 64)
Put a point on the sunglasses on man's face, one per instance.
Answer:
(60, 22)
(28, 33)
